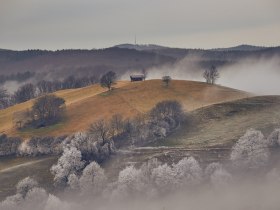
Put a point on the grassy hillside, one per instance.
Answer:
(86, 105)
(223, 124)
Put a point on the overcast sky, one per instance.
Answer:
(60, 24)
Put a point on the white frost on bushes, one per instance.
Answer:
(69, 163)
(90, 147)
(274, 138)
(188, 172)
(153, 178)
(25, 185)
(251, 150)
(128, 182)
(163, 177)
(30, 196)
(93, 179)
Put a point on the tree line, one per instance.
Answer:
(29, 90)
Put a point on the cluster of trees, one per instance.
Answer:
(100, 140)
(78, 151)
(47, 110)
(74, 172)
(34, 147)
(89, 181)
(37, 146)
(29, 91)
(142, 129)
(156, 178)
(152, 178)
(30, 196)
(9, 145)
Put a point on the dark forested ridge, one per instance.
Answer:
(120, 59)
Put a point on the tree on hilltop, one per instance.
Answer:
(108, 80)
(211, 75)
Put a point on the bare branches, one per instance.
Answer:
(211, 75)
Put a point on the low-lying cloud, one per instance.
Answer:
(256, 75)
(259, 76)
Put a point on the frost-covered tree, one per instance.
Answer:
(73, 182)
(187, 172)
(30, 196)
(25, 185)
(35, 198)
(69, 163)
(41, 146)
(93, 179)
(164, 178)
(90, 147)
(23, 188)
(274, 138)
(250, 151)
(129, 182)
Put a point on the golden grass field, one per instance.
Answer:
(87, 105)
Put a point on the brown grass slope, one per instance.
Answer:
(87, 105)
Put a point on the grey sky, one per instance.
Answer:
(58, 24)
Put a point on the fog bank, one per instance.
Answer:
(258, 76)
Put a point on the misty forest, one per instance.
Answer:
(182, 124)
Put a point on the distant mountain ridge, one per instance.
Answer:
(148, 47)
(243, 47)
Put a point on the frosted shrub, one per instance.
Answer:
(93, 179)
(274, 138)
(250, 151)
(69, 163)
(187, 172)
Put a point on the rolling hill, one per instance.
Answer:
(221, 125)
(87, 105)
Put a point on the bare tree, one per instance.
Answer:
(145, 73)
(108, 79)
(25, 93)
(101, 130)
(45, 87)
(211, 75)
(166, 80)
(4, 98)
(116, 125)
